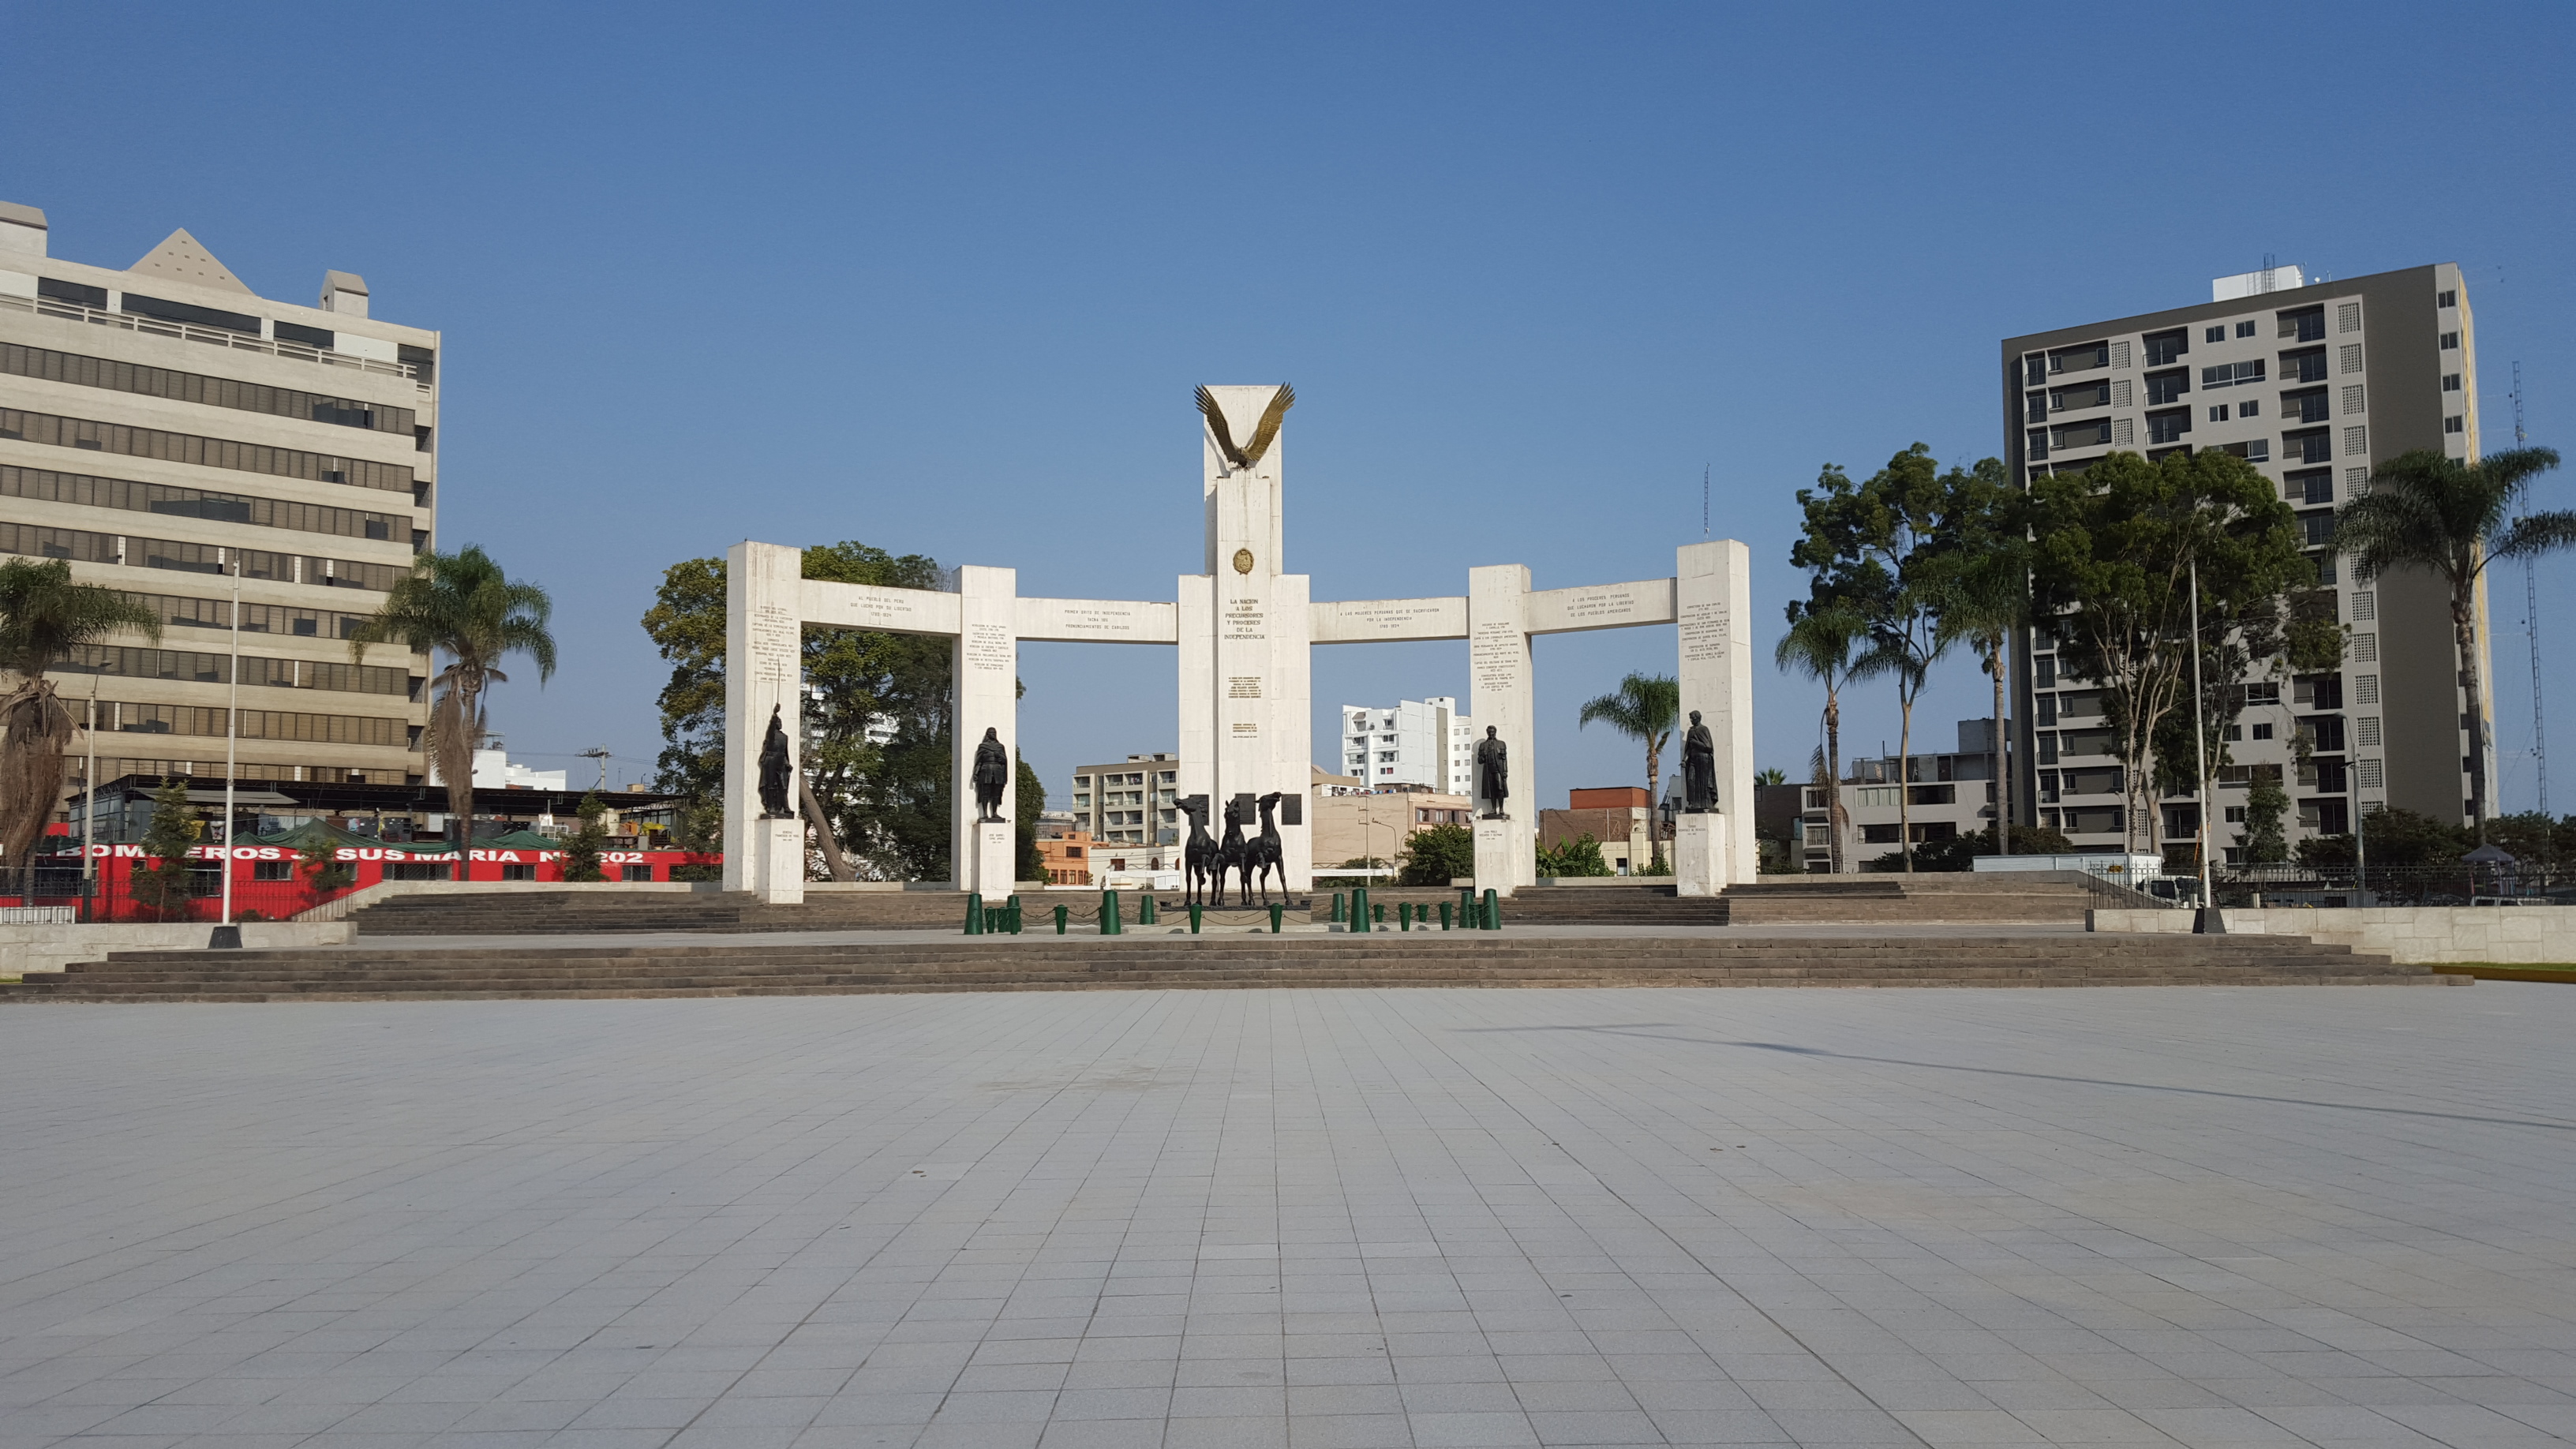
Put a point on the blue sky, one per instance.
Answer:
(941, 278)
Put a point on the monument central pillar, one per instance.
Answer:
(1498, 670)
(1244, 633)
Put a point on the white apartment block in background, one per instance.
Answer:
(163, 427)
(1424, 742)
(2314, 383)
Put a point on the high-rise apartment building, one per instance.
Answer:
(2313, 383)
(165, 428)
(1135, 801)
(1421, 742)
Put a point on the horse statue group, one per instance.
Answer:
(1251, 860)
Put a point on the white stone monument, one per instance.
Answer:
(1245, 629)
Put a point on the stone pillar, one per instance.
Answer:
(984, 857)
(1498, 668)
(1244, 631)
(1713, 596)
(764, 671)
(1699, 855)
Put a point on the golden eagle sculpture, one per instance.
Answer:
(1264, 433)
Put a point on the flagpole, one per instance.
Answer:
(232, 738)
(89, 814)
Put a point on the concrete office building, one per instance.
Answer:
(1951, 793)
(1134, 802)
(2313, 383)
(161, 427)
(1424, 742)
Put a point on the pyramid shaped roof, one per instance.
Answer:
(184, 258)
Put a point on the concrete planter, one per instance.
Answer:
(28, 950)
(2408, 935)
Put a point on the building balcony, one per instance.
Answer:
(212, 336)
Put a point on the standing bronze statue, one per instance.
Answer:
(992, 777)
(1699, 769)
(1493, 774)
(775, 770)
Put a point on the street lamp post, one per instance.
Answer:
(2210, 920)
(228, 934)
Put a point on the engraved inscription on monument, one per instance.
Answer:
(774, 634)
(1246, 619)
(1494, 656)
(1243, 686)
(1704, 631)
(987, 647)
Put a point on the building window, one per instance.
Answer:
(2446, 299)
(2450, 342)
(2218, 414)
(2262, 731)
(2315, 485)
(2229, 374)
(2214, 334)
(2311, 446)
(2305, 406)
(2168, 427)
(2163, 348)
(2454, 423)
(2166, 387)
(2305, 366)
(2304, 324)
(2250, 408)
(2245, 329)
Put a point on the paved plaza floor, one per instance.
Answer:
(1297, 1219)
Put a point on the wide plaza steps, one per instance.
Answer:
(598, 912)
(1930, 898)
(1052, 963)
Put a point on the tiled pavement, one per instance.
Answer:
(1331, 1218)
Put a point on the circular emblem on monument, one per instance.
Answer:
(1243, 560)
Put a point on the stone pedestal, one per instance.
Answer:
(1498, 868)
(994, 861)
(778, 862)
(1699, 855)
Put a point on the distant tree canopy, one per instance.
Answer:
(888, 801)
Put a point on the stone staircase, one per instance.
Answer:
(2037, 897)
(1071, 963)
(590, 913)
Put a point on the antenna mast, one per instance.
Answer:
(1703, 490)
(2531, 629)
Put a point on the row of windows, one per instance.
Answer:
(2163, 349)
(82, 546)
(126, 717)
(139, 662)
(112, 767)
(134, 497)
(424, 359)
(185, 613)
(203, 452)
(219, 392)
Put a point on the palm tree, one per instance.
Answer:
(1989, 603)
(1772, 776)
(1643, 708)
(44, 616)
(1823, 643)
(2452, 518)
(463, 606)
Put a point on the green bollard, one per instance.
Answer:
(1404, 915)
(1277, 916)
(1145, 911)
(1444, 915)
(1195, 909)
(1359, 909)
(1014, 909)
(1109, 914)
(1337, 906)
(974, 913)
(1377, 911)
(1493, 911)
(1466, 910)
(1060, 913)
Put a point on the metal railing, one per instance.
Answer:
(215, 336)
(2451, 884)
